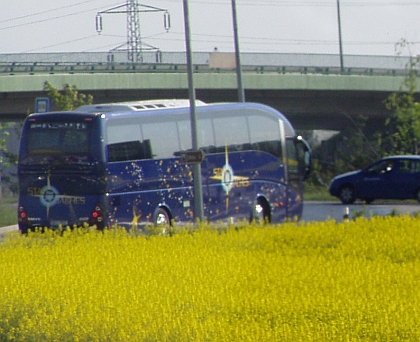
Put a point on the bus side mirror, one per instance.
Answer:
(305, 157)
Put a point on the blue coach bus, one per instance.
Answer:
(120, 164)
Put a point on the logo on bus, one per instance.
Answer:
(49, 196)
(227, 176)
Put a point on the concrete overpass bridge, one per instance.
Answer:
(311, 90)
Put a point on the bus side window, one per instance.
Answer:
(184, 134)
(129, 150)
(223, 128)
(272, 147)
(265, 134)
(206, 135)
(147, 149)
(162, 138)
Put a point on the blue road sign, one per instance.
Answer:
(42, 104)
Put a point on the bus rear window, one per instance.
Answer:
(46, 138)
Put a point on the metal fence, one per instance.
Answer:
(159, 61)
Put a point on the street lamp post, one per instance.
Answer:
(339, 36)
(198, 192)
(241, 92)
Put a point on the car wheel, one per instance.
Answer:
(418, 195)
(347, 194)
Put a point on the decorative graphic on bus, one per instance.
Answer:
(227, 176)
(136, 217)
(49, 196)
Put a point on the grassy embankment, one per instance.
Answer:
(317, 193)
(8, 213)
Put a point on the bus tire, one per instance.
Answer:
(260, 211)
(23, 231)
(161, 218)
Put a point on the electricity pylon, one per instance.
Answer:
(134, 44)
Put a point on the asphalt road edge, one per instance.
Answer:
(8, 229)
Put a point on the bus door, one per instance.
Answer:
(294, 185)
(298, 168)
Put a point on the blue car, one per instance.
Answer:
(395, 177)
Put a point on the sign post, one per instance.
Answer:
(192, 157)
(198, 191)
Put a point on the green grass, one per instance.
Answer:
(317, 193)
(7, 212)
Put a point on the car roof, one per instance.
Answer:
(407, 156)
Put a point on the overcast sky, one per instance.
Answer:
(284, 26)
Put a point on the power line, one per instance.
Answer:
(46, 19)
(203, 38)
(62, 43)
(259, 3)
(209, 38)
(393, 3)
(292, 3)
(43, 12)
(40, 21)
(226, 41)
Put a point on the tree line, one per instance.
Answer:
(356, 146)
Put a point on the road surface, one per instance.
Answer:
(321, 211)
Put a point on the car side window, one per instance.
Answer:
(415, 166)
(385, 166)
(388, 167)
(408, 166)
(405, 166)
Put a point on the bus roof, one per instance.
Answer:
(137, 106)
(182, 106)
(158, 107)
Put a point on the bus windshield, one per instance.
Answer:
(64, 142)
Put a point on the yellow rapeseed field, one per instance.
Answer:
(326, 281)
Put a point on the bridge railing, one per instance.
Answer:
(164, 62)
(73, 68)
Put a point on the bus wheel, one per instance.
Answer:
(260, 212)
(23, 231)
(162, 219)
